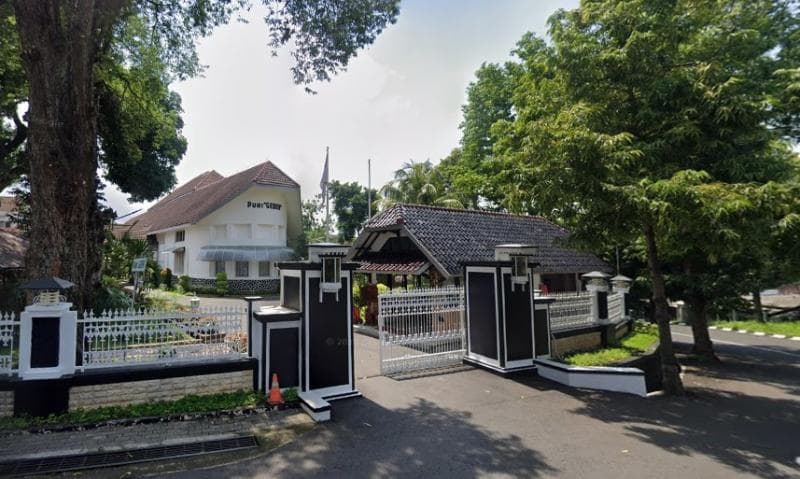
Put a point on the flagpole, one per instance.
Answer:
(327, 207)
(369, 188)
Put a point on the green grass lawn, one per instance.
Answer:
(638, 341)
(187, 405)
(788, 328)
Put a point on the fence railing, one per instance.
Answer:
(9, 343)
(421, 329)
(615, 313)
(124, 338)
(571, 311)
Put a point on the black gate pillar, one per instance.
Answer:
(507, 324)
(308, 338)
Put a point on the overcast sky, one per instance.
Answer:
(400, 98)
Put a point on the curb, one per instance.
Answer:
(755, 333)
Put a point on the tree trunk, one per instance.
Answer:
(670, 369)
(757, 304)
(59, 47)
(703, 346)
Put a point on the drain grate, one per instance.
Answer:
(118, 458)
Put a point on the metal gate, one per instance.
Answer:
(421, 329)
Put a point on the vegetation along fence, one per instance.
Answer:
(123, 338)
(421, 329)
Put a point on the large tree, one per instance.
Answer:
(350, 205)
(62, 47)
(635, 98)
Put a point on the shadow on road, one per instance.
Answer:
(747, 431)
(425, 441)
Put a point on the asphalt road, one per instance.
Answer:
(741, 418)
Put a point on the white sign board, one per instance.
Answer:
(139, 265)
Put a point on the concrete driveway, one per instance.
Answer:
(737, 422)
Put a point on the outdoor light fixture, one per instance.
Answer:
(330, 255)
(520, 256)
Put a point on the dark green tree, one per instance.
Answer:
(64, 47)
(637, 109)
(350, 205)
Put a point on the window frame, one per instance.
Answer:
(268, 271)
(216, 270)
(246, 268)
(180, 235)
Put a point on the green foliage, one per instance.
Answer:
(118, 255)
(191, 404)
(290, 395)
(166, 278)
(350, 207)
(787, 328)
(221, 285)
(184, 283)
(640, 340)
(417, 183)
(382, 288)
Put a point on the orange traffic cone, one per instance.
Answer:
(275, 396)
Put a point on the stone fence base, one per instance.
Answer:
(124, 386)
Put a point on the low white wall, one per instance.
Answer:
(624, 380)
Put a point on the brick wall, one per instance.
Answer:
(581, 342)
(169, 389)
(6, 403)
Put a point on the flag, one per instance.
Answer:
(323, 183)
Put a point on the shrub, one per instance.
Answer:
(155, 277)
(166, 278)
(357, 302)
(382, 288)
(183, 282)
(222, 284)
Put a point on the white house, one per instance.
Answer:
(240, 225)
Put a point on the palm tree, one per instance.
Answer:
(417, 183)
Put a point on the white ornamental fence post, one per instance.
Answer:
(621, 285)
(597, 285)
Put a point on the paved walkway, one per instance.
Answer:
(741, 419)
(25, 445)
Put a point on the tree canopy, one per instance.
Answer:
(95, 77)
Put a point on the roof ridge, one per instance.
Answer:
(474, 211)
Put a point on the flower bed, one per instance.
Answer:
(640, 340)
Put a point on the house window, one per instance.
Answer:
(263, 269)
(180, 235)
(242, 269)
(218, 267)
(331, 270)
(179, 261)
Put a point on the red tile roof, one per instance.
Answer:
(203, 195)
(393, 263)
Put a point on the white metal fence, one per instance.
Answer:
(123, 338)
(615, 313)
(571, 310)
(9, 343)
(421, 329)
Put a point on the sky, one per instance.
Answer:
(400, 98)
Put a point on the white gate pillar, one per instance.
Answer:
(41, 355)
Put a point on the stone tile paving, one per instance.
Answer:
(26, 445)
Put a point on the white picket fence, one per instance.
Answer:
(571, 310)
(9, 343)
(124, 338)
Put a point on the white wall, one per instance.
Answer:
(243, 226)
